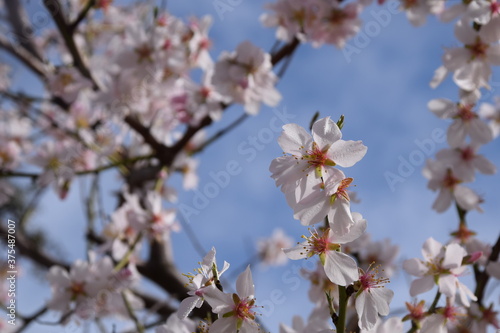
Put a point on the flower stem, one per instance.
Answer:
(434, 303)
(340, 324)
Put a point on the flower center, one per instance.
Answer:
(467, 154)
(244, 309)
(370, 280)
(465, 112)
(478, 49)
(450, 181)
(77, 289)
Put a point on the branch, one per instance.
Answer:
(81, 16)
(21, 28)
(483, 277)
(55, 9)
(24, 56)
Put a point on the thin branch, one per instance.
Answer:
(24, 56)
(56, 11)
(138, 324)
(27, 320)
(82, 15)
(483, 277)
(21, 28)
(221, 132)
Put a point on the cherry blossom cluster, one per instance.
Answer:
(143, 65)
(473, 124)
(317, 191)
(235, 312)
(93, 289)
(316, 21)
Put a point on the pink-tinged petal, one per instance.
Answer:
(219, 301)
(456, 58)
(366, 309)
(325, 132)
(490, 32)
(431, 248)
(355, 231)
(465, 33)
(480, 132)
(187, 305)
(415, 267)
(439, 76)
(464, 293)
(435, 323)
(447, 285)
(472, 76)
(244, 284)
(451, 13)
(296, 252)
(456, 134)
(466, 198)
(340, 218)
(287, 170)
(493, 55)
(340, 268)
(421, 285)
(313, 210)
(294, 139)
(347, 153)
(453, 256)
(223, 325)
(382, 297)
(443, 108)
(58, 276)
(483, 165)
(443, 200)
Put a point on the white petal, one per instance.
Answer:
(223, 325)
(296, 252)
(443, 200)
(447, 285)
(443, 108)
(367, 313)
(355, 231)
(187, 305)
(415, 267)
(294, 139)
(347, 153)
(421, 285)
(244, 284)
(483, 165)
(340, 268)
(325, 132)
(453, 256)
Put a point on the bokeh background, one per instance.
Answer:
(383, 92)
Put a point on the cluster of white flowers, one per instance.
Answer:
(316, 21)
(93, 289)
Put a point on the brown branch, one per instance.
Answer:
(21, 28)
(24, 56)
(82, 15)
(483, 277)
(56, 11)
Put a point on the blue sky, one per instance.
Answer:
(383, 93)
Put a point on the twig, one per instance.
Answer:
(81, 16)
